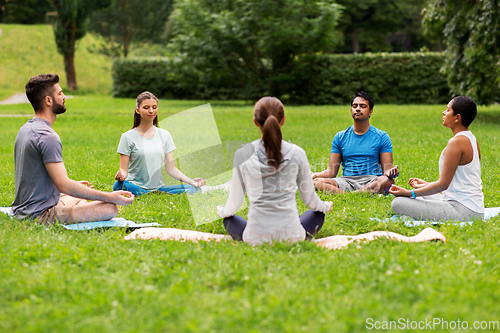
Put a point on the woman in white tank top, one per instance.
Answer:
(457, 194)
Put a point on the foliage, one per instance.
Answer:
(366, 23)
(472, 31)
(24, 11)
(134, 75)
(381, 26)
(55, 280)
(130, 21)
(249, 45)
(70, 25)
(401, 78)
(31, 50)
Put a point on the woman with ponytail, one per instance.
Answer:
(269, 170)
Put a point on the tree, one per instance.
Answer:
(366, 23)
(71, 25)
(24, 11)
(249, 44)
(472, 32)
(128, 21)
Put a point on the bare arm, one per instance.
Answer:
(177, 174)
(452, 156)
(387, 166)
(333, 167)
(57, 171)
(122, 173)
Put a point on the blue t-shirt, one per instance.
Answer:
(361, 153)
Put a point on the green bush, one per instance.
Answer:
(399, 78)
(393, 78)
(131, 76)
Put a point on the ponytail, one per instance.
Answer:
(269, 113)
(271, 136)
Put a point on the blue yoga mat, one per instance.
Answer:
(114, 222)
(410, 222)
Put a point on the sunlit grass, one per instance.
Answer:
(54, 280)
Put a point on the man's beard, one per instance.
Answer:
(58, 108)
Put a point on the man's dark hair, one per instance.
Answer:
(466, 107)
(40, 86)
(365, 96)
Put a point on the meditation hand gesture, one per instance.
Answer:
(417, 183)
(121, 175)
(198, 182)
(392, 173)
(85, 183)
(122, 198)
(399, 191)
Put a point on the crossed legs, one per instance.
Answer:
(311, 221)
(74, 210)
(378, 185)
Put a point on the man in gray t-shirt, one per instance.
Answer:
(36, 145)
(41, 176)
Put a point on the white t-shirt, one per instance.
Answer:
(146, 156)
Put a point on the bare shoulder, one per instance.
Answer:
(458, 141)
(459, 145)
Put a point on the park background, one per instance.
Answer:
(229, 54)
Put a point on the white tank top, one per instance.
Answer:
(466, 186)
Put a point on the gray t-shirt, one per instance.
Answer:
(146, 156)
(36, 145)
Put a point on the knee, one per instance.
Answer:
(226, 222)
(117, 186)
(111, 209)
(397, 204)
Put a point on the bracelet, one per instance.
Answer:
(413, 194)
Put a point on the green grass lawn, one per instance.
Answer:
(54, 280)
(28, 50)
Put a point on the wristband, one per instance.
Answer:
(413, 194)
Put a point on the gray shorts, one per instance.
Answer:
(353, 183)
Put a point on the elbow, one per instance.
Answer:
(64, 186)
(171, 171)
(61, 187)
(443, 186)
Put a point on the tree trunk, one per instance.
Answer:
(439, 47)
(69, 64)
(125, 47)
(355, 42)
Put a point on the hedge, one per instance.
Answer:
(399, 78)
(131, 76)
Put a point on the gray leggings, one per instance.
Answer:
(434, 210)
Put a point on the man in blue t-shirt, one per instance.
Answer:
(365, 153)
